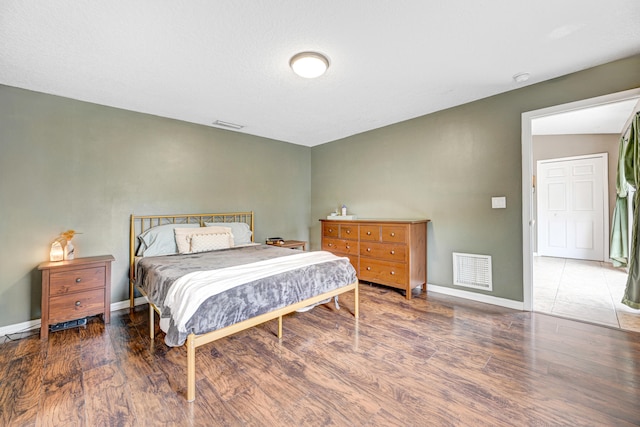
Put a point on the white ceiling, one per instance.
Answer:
(201, 60)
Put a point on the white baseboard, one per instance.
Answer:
(19, 327)
(35, 324)
(125, 304)
(488, 299)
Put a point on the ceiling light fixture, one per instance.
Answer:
(309, 64)
(227, 125)
(521, 77)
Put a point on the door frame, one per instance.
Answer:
(527, 178)
(605, 196)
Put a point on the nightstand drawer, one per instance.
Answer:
(63, 282)
(76, 305)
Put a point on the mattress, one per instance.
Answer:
(157, 275)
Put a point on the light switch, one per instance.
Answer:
(498, 202)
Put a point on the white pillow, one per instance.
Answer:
(240, 230)
(183, 236)
(210, 242)
(160, 240)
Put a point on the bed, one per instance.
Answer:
(206, 278)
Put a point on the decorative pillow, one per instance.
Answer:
(240, 230)
(210, 242)
(183, 236)
(160, 240)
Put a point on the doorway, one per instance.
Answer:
(528, 187)
(571, 207)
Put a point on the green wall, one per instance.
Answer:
(69, 164)
(446, 167)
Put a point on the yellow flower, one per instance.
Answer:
(69, 234)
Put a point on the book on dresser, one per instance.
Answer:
(384, 251)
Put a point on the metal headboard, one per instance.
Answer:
(141, 223)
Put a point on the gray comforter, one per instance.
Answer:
(155, 275)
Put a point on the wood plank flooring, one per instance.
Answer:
(434, 360)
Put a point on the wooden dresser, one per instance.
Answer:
(388, 252)
(75, 289)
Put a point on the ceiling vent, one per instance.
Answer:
(227, 125)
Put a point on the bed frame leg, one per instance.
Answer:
(191, 368)
(356, 306)
(152, 323)
(279, 327)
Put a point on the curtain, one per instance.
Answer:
(619, 244)
(632, 175)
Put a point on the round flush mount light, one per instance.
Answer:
(521, 77)
(309, 64)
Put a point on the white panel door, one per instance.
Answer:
(571, 207)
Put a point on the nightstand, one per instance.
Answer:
(75, 289)
(291, 244)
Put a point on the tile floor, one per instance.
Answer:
(590, 291)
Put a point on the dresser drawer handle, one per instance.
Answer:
(78, 280)
(368, 249)
(368, 233)
(393, 234)
(393, 252)
(330, 244)
(78, 303)
(331, 230)
(348, 231)
(368, 268)
(393, 273)
(348, 247)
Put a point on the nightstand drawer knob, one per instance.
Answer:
(78, 280)
(78, 303)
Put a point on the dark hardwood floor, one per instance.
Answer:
(433, 360)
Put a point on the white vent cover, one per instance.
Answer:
(472, 271)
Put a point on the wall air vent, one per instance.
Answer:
(472, 271)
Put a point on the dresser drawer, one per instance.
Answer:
(330, 229)
(63, 282)
(394, 234)
(347, 247)
(348, 231)
(386, 273)
(385, 251)
(370, 232)
(76, 305)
